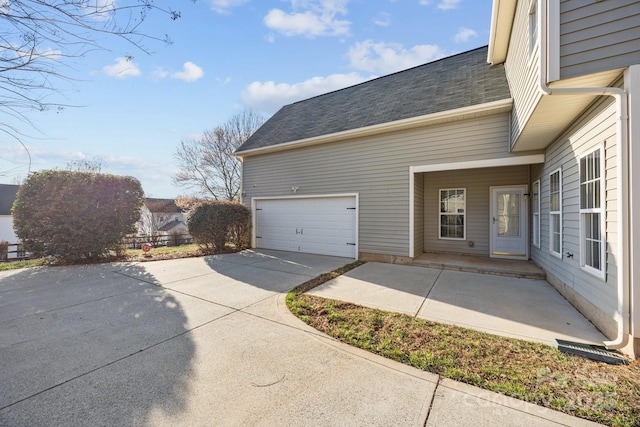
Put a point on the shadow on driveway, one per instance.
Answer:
(80, 343)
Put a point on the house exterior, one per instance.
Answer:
(7, 197)
(160, 218)
(523, 149)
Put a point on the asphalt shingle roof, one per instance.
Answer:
(454, 82)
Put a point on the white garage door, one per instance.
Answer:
(319, 225)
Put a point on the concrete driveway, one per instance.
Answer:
(207, 341)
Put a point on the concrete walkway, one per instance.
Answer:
(207, 341)
(529, 309)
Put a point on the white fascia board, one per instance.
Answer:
(502, 14)
(500, 106)
(475, 164)
(492, 33)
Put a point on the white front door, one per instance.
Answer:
(509, 238)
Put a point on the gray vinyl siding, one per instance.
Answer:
(597, 127)
(521, 69)
(377, 168)
(477, 183)
(598, 36)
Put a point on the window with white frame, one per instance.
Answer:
(533, 26)
(453, 213)
(592, 241)
(555, 213)
(535, 208)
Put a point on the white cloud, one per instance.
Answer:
(442, 4)
(190, 72)
(270, 96)
(225, 6)
(390, 57)
(464, 34)
(310, 18)
(100, 10)
(448, 4)
(383, 19)
(160, 73)
(124, 67)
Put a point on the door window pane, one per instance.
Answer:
(509, 214)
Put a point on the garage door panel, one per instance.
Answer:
(324, 225)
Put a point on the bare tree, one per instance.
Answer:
(208, 165)
(39, 37)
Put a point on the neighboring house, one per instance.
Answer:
(161, 217)
(7, 197)
(526, 149)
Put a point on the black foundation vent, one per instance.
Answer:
(590, 351)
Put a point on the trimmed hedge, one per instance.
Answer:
(213, 224)
(76, 215)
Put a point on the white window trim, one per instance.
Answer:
(440, 213)
(536, 215)
(558, 212)
(601, 210)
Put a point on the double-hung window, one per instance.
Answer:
(555, 213)
(535, 208)
(453, 213)
(592, 237)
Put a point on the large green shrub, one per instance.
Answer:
(213, 224)
(76, 215)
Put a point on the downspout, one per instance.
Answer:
(620, 95)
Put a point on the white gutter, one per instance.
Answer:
(622, 150)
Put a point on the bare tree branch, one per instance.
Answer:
(37, 37)
(208, 165)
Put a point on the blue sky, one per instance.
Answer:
(227, 56)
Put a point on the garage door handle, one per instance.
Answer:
(351, 244)
(300, 232)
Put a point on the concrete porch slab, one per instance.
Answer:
(529, 309)
(480, 264)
